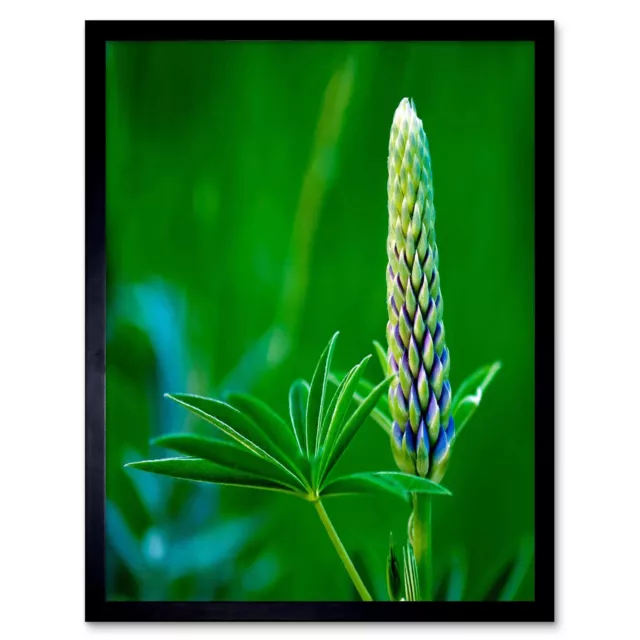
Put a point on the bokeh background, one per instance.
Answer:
(246, 222)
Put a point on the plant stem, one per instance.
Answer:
(342, 552)
(422, 542)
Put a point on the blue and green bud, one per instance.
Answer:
(420, 394)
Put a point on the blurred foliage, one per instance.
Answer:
(246, 222)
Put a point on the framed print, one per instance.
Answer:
(319, 321)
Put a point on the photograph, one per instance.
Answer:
(315, 325)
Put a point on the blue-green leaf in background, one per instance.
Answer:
(211, 548)
(122, 539)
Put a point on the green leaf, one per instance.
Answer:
(345, 395)
(328, 419)
(209, 548)
(468, 396)
(328, 414)
(226, 454)
(204, 471)
(381, 413)
(298, 396)
(508, 581)
(279, 431)
(123, 540)
(382, 356)
(345, 435)
(363, 389)
(395, 483)
(317, 397)
(377, 416)
(236, 425)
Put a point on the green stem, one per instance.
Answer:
(422, 542)
(342, 552)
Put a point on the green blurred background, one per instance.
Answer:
(246, 222)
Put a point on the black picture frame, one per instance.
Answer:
(97, 608)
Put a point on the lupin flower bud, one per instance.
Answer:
(420, 394)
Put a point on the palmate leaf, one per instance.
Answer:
(239, 427)
(268, 453)
(227, 454)
(317, 398)
(204, 471)
(468, 396)
(396, 483)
